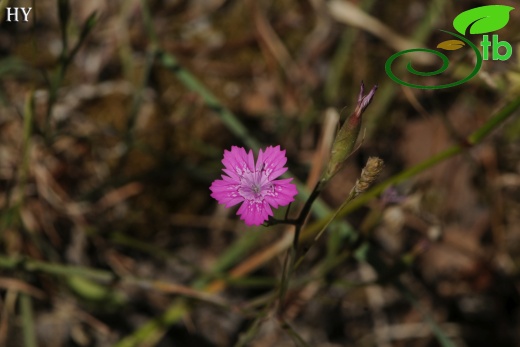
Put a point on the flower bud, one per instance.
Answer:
(346, 138)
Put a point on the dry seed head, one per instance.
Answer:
(369, 174)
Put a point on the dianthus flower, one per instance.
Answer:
(254, 185)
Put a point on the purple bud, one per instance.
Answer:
(345, 140)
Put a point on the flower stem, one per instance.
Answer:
(288, 265)
(273, 221)
(304, 213)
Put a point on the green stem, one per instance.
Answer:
(26, 309)
(54, 269)
(27, 133)
(289, 262)
(137, 101)
(65, 59)
(304, 213)
(297, 339)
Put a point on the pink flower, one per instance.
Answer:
(255, 185)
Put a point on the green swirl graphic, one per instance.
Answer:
(445, 64)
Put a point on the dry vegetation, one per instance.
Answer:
(112, 128)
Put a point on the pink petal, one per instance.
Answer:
(236, 161)
(254, 213)
(273, 161)
(284, 193)
(250, 161)
(225, 193)
(260, 161)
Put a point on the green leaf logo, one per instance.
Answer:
(484, 19)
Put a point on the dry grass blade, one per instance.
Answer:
(347, 13)
(20, 286)
(174, 288)
(321, 155)
(274, 45)
(255, 261)
(119, 195)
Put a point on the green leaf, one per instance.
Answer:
(484, 19)
(451, 45)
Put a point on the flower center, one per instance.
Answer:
(253, 187)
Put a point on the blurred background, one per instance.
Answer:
(114, 116)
